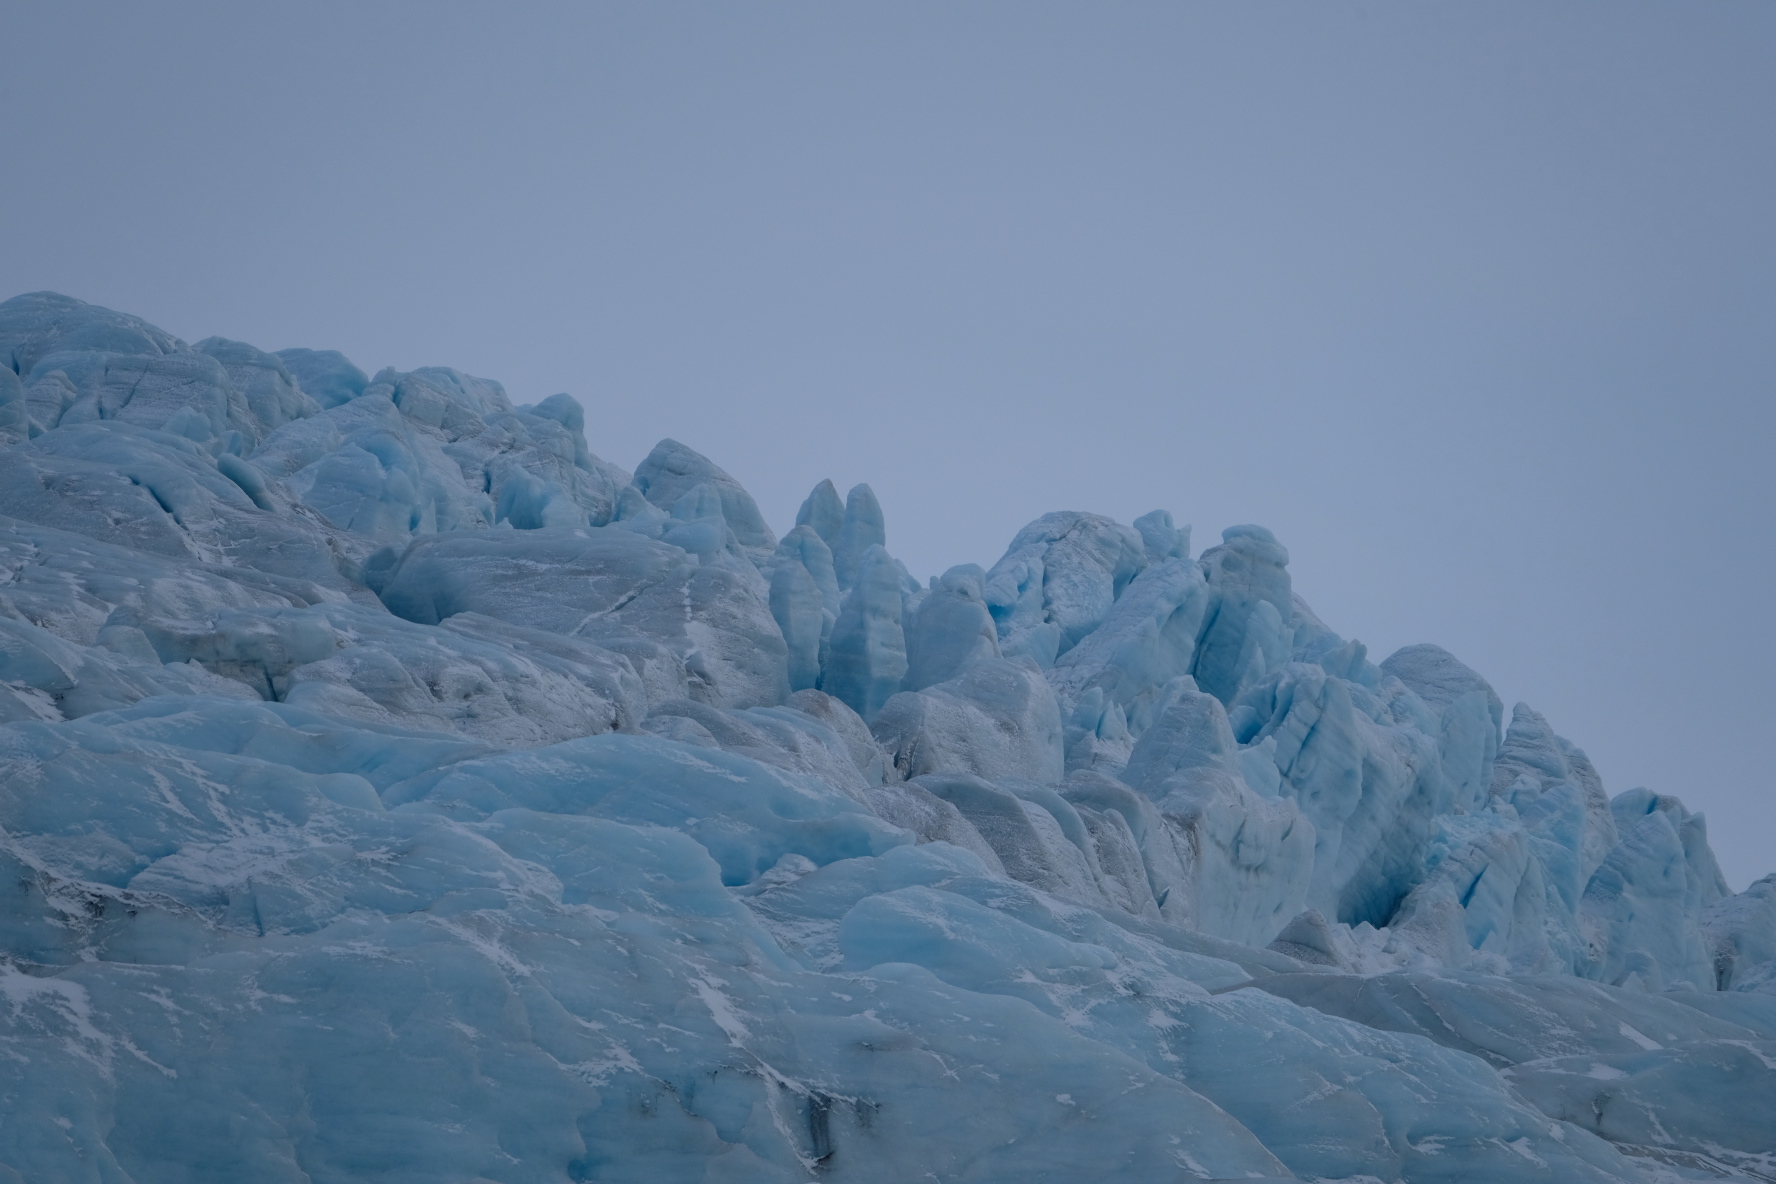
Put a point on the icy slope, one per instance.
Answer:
(391, 789)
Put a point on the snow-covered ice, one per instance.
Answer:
(393, 789)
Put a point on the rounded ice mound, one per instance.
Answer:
(748, 815)
(1058, 579)
(671, 470)
(325, 375)
(37, 324)
(597, 581)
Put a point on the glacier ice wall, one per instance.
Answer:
(392, 789)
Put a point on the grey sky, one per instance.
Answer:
(1474, 305)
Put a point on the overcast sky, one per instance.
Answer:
(1473, 305)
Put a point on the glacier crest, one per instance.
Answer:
(391, 788)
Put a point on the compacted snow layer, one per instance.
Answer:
(392, 789)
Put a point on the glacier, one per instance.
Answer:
(393, 789)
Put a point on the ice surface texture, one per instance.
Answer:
(392, 789)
